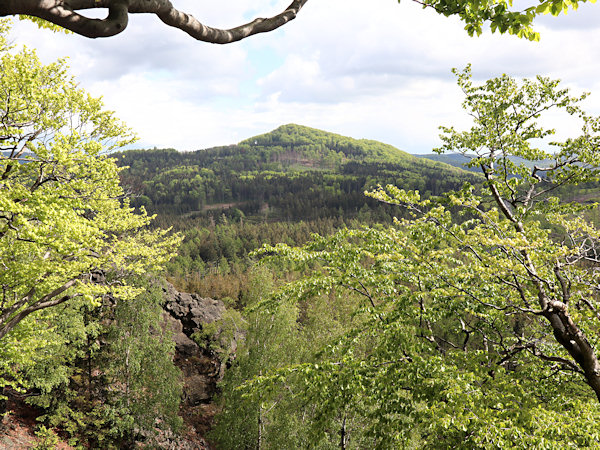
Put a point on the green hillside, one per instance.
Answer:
(291, 173)
(312, 145)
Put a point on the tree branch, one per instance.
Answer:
(64, 14)
(61, 13)
(197, 30)
(46, 301)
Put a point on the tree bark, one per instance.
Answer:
(565, 330)
(64, 13)
(343, 435)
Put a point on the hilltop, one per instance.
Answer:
(304, 144)
(291, 173)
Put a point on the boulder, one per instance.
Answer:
(192, 310)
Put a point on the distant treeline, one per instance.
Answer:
(294, 173)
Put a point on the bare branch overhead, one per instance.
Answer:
(67, 14)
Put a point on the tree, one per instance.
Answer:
(480, 320)
(270, 341)
(108, 378)
(66, 229)
(285, 336)
(67, 14)
(560, 279)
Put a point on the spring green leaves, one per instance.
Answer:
(66, 228)
(501, 15)
(474, 322)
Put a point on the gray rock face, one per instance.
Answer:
(185, 314)
(184, 346)
(192, 310)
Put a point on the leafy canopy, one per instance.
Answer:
(479, 319)
(501, 15)
(66, 228)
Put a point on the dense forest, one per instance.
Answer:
(277, 187)
(290, 174)
(329, 268)
(469, 322)
(300, 289)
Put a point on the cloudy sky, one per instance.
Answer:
(368, 69)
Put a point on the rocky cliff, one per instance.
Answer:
(186, 316)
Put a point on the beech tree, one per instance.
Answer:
(501, 16)
(67, 232)
(481, 313)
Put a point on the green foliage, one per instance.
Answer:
(47, 439)
(270, 343)
(113, 377)
(218, 336)
(294, 144)
(472, 323)
(277, 187)
(139, 360)
(506, 126)
(67, 233)
(501, 15)
(205, 246)
(290, 174)
(286, 335)
(69, 242)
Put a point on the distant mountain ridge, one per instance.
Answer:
(460, 160)
(291, 173)
(303, 139)
(453, 159)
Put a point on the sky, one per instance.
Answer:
(372, 69)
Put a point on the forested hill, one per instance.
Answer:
(460, 160)
(291, 173)
(296, 144)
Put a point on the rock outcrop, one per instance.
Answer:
(186, 316)
(192, 310)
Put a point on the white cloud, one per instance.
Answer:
(372, 69)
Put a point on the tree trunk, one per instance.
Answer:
(343, 435)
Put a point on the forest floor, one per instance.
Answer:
(17, 428)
